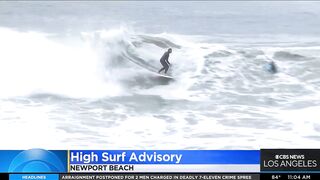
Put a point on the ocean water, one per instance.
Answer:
(75, 75)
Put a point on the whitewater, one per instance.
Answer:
(74, 75)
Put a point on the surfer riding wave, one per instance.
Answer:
(164, 61)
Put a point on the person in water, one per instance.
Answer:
(273, 67)
(164, 61)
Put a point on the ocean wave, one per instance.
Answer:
(120, 61)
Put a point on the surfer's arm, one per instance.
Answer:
(167, 59)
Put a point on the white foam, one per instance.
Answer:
(31, 62)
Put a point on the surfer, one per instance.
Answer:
(164, 61)
(272, 67)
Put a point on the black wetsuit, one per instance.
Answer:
(164, 61)
(273, 67)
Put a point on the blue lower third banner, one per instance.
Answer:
(33, 161)
(106, 161)
(164, 161)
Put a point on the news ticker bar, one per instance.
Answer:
(165, 176)
(161, 161)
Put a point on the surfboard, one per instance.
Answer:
(163, 75)
(140, 62)
(155, 72)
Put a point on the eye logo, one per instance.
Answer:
(36, 160)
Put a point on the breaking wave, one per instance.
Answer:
(117, 62)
